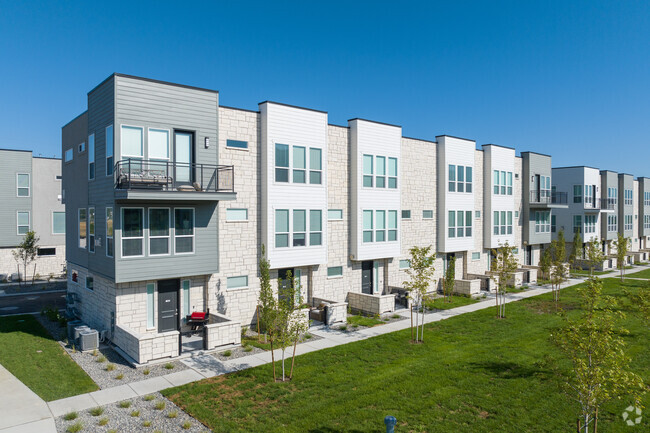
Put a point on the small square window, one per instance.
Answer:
(238, 144)
(427, 214)
(404, 264)
(335, 271)
(477, 214)
(406, 214)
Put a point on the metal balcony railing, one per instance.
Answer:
(600, 203)
(548, 197)
(139, 174)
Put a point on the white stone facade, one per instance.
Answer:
(42, 266)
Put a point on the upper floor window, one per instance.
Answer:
(298, 159)
(628, 223)
(159, 231)
(22, 222)
(380, 179)
(589, 193)
(460, 178)
(91, 156)
(132, 232)
(237, 144)
(299, 164)
(628, 197)
(542, 221)
(577, 223)
(427, 214)
(646, 198)
(91, 229)
(281, 162)
(315, 227)
(612, 223)
(69, 154)
(82, 147)
(315, 166)
(553, 223)
(22, 185)
(234, 214)
(109, 150)
(392, 173)
(544, 186)
(81, 226)
(368, 226)
(298, 235)
(459, 224)
(577, 194)
(612, 195)
(590, 223)
(503, 182)
(646, 221)
(406, 214)
(132, 144)
(58, 223)
(379, 225)
(368, 170)
(158, 149)
(109, 231)
(183, 230)
(379, 171)
(335, 214)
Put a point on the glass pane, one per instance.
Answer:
(91, 221)
(315, 238)
(392, 182)
(315, 221)
(298, 239)
(184, 221)
(381, 182)
(281, 175)
(392, 166)
(367, 164)
(299, 176)
(109, 141)
(452, 218)
(23, 219)
(159, 246)
(131, 141)
(158, 144)
(237, 143)
(335, 271)
(367, 236)
(299, 220)
(236, 214)
(281, 241)
(496, 218)
(509, 178)
(496, 177)
(281, 155)
(315, 177)
(185, 285)
(503, 178)
(23, 181)
(392, 235)
(315, 162)
(392, 219)
(460, 218)
(150, 301)
(452, 172)
(299, 155)
(335, 214)
(381, 235)
(159, 222)
(184, 245)
(281, 221)
(468, 174)
(183, 155)
(381, 219)
(131, 247)
(461, 173)
(237, 282)
(510, 218)
(381, 165)
(109, 221)
(367, 220)
(367, 181)
(131, 223)
(58, 223)
(468, 218)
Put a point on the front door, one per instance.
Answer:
(528, 259)
(183, 145)
(537, 185)
(168, 305)
(283, 274)
(366, 277)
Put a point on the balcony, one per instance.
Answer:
(138, 179)
(601, 204)
(548, 199)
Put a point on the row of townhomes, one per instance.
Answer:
(169, 197)
(31, 200)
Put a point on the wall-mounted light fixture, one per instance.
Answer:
(207, 142)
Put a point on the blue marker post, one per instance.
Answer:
(390, 422)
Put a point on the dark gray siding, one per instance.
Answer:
(609, 179)
(75, 185)
(644, 186)
(101, 113)
(533, 164)
(625, 181)
(13, 162)
(204, 260)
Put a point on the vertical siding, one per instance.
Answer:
(13, 162)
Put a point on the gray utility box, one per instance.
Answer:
(88, 340)
(77, 331)
(71, 325)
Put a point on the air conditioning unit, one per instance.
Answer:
(71, 325)
(77, 331)
(88, 340)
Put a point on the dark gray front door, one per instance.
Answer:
(528, 255)
(366, 277)
(168, 305)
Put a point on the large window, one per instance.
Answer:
(544, 186)
(628, 197)
(158, 145)
(367, 226)
(368, 170)
(150, 306)
(542, 222)
(392, 173)
(22, 185)
(315, 166)
(281, 162)
(91, 156)
(628, 222)
(612, 223)
(22, 222)
(379, 226)
(281, 228)
(300, 231)
(159, 224)
(577, 223)
(82, 227)
(109, 150)
(577, 194)
(132, 145)
(315, 227)
(590, 223)
(132, 232)
(379, 171)
(589, 194)
(91, 229)
(299, 164)
(646, 198)
(109, 231)
(612, 196)
(460, 178)
(459, 224)
(183, 230)
(503, 182)
(58, 223)
(646, 221)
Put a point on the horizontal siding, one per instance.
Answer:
(11, 163)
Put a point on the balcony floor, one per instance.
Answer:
(157, 195)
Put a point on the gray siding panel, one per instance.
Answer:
(534, 164)
(11, 163)
(46, 193)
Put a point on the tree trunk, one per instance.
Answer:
(422, 333)
(33, 274)
(293, 357)
(417, 324)
(411, 321)
(20, 283)
(272, 359)
(596, 421)
(283, 349)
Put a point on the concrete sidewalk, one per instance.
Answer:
(22, 410)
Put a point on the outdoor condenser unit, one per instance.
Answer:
(71, 325)
(88, 340)
(77, 331)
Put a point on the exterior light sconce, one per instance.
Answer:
(207, 142)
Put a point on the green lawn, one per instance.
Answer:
(364, 321)
(456, 301)
(641, 274)
(586, 273)
(474, 373)
(30, 354)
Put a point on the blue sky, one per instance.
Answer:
(571, 79)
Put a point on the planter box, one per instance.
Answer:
(221, 332)
(371, 304)
(337, 312)
(467, 287)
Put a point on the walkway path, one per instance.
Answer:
(204, 366)
(22, 410)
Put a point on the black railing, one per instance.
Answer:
(600, 203)
(548, 197)
(173, 176)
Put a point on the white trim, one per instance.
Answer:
(88, 225)
(153, 305)
(193, 235)
(52, 221)
(189, 299)
(169, 143)
(29, 185)
(122, 256)
(122, 154)
(168, 237)
(106, 230)
(106, 156)
(29, 222)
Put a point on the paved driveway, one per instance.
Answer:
(31, 303)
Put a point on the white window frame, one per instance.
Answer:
(122, 237)
(169, 232)
(151, 307)
(239, 287)
(91, 157)
(29, 185)
(79, 226)
(245, 220)
(112, 238)
(70, 154)
(52, 220)
(110, 158)
(337, 275)
(29, 222)
(122, 154)
(193, 235)
(91, 245)
(169, 143)
(334, 219)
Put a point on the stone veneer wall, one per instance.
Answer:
(144, 348)
(94, 305)
(371, 304)
(336, 311)
(44, 265)
(467, 287)
(225, 332)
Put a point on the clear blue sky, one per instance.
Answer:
(568, 78)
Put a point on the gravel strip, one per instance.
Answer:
(237, 352)
(388, 318)
(121, 420)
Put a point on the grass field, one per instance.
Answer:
(456, 301)
(30, 354)
(474, 373)
(641, 274)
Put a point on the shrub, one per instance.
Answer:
(125, 404)
(149, 397)
(74, 428)
(160, 405)
(186, 425)
(146, 423)
(169, 366)
(172, 414)
(343, 328)
(112, 431)
(227, 353)
(248, 348)
(70, 416)
(307, 336)
(135, 413)
(395, 316)
(96, 411)
(103, 421)
(101, 358)
(146, 371)
(110, 367)
(119, 376)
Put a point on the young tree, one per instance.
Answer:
(621, 244)
(504, 266)
(576, 251)
(420, 274)
(545, 262)
(594, 255)
(289, 322)
(26, 252)
(449, 280)
(267, 304)
(594, 345)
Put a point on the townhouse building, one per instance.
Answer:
(170, 197)
(31, 200)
